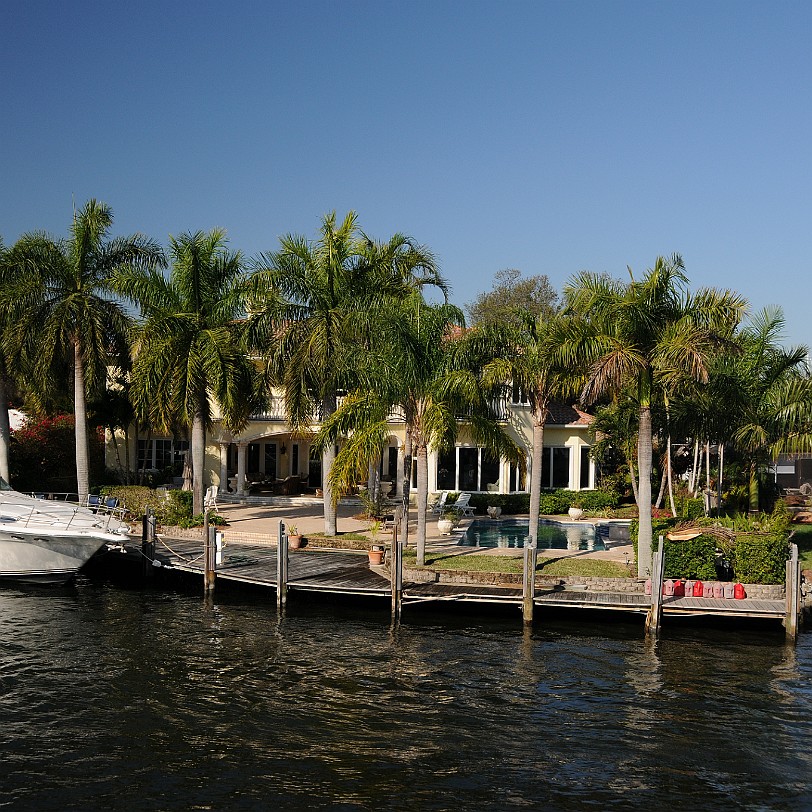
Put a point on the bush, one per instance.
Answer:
(511, 503)
(692, 558)
(760, 558)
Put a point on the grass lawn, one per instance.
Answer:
(803, 538)
(474, 562)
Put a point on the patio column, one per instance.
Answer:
(223, 486)
(399, 478)
(241, 447)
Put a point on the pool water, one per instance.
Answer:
(552, 535)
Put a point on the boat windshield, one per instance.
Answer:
(4, 486)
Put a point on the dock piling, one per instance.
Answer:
(396, 574)
(793, 590)
(655, 612)
(281, 567)
(529, 584)
(148, 542)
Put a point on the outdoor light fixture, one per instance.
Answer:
(283, 449)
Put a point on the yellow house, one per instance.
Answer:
(268, 458)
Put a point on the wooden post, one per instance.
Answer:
(655, 613)
(281, 567)
(148, 543)
(209, 563)
(529, 583)
(396, 573)
(793, 590)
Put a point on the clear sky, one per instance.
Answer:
(551, 137)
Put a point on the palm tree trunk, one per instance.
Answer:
(328, 456)
(694, 474)
(80, 424)
(422, 501)
(198, 461)
(721, 475)
(535, 478)
(644, 540)
(663, 480)
(753, 487)
(5, 430)
(406, 486)
(670, 480)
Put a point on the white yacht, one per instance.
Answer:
(47, 541)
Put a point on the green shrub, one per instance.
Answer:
(760, 558)
(658, 526)
(511, 503)
(554, 502)
(692, 558)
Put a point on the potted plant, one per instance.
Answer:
(576, 511)
(377, 550)
(294, 537)
(448, 520)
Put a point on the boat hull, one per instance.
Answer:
(37, 558)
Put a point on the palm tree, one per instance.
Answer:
(527, 358)
(765, 396)
(189, 352)
(420, 370)
(315, 304)
(651, 333)
(60, 299)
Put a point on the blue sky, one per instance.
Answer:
(551, 137)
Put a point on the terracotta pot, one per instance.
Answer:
(375, 557)
(294, 542)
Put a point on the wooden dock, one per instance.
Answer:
(344, 572)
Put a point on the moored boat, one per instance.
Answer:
(46, 541)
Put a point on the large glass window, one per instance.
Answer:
(584, 480)
(555, 471)
(270, 460)
(446, 470)
(467, 469)
(159, 453)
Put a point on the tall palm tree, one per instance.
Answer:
(527, 357)
(420, 371)
(63, 306)
(5, 428)
(651, 333)
(189, 352)
(316, 304)
(765, 395)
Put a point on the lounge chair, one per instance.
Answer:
(462, 504)
(210, 498)
(438, 507)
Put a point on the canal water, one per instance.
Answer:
(146, 700)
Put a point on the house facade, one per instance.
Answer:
(269, 457)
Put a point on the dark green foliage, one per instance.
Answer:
(693, 558)
(554, 502)
(174, 510)
(760, 558)
(691, 507)
(511, 503)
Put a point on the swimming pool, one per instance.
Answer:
(552, 535)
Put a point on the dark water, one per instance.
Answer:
(552, 535)
(115, 699)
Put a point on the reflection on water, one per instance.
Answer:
(127, 700)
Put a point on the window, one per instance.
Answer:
(555, 470)
(270, 460)
(294, 469)
(584, 480)
(159, 453)
(519, 397)
(467, 469)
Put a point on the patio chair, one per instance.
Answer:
(93, 502)
(462, 504)
(210, 497)
(439, 505)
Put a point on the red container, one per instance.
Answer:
(648, 586)
(668, 587)
(738, 592)
(679, 589)
(698, 589)
(718, 590)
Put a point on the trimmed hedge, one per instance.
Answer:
(760, 558)
(551, 502)
(694, 558)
